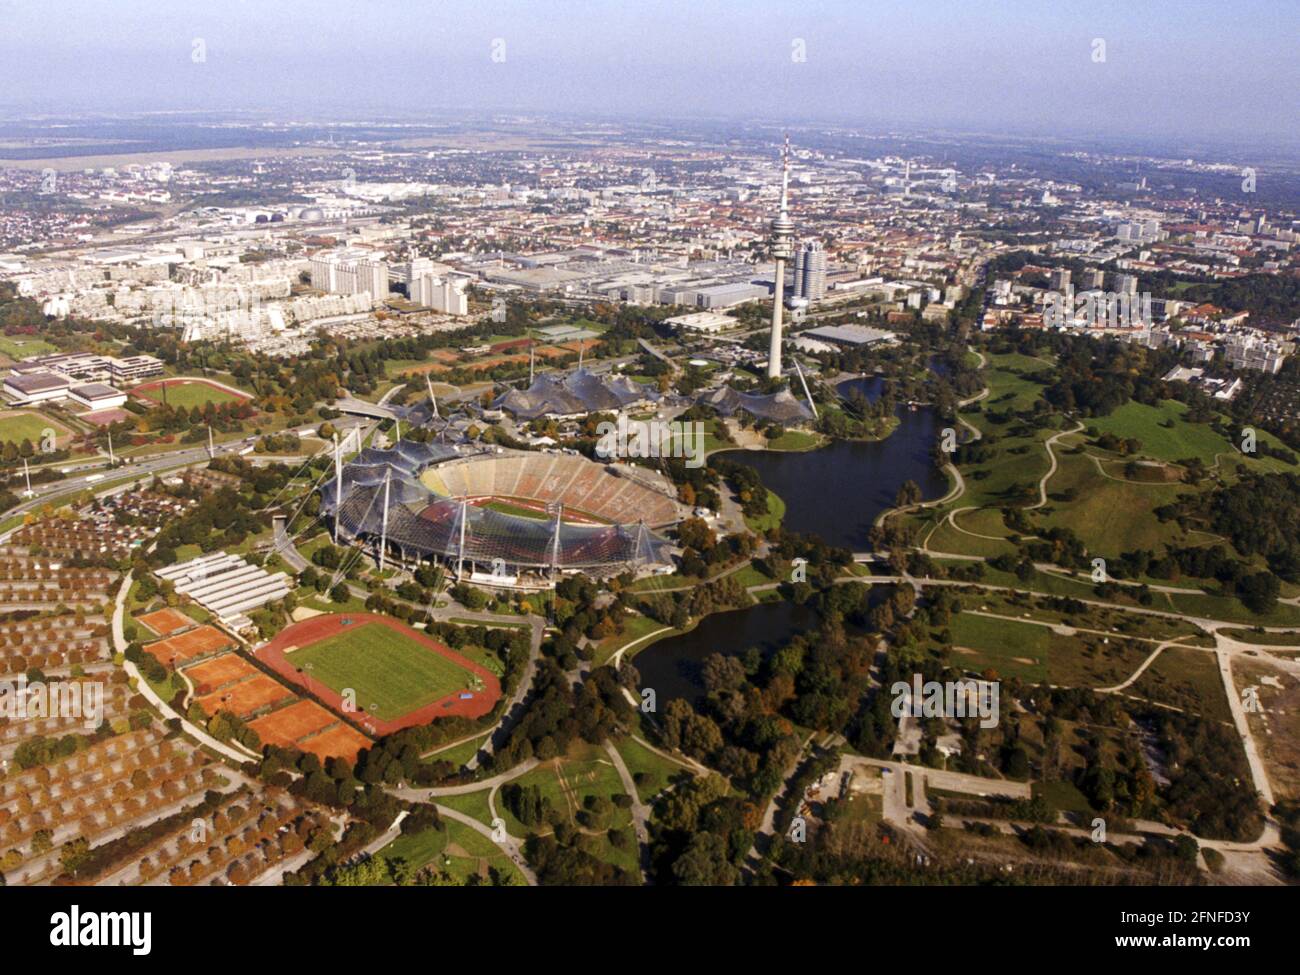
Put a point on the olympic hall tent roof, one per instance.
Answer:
(780, 407)
(578, 392)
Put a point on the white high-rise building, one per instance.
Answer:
(372, 276)
(1126, 283)
(350, 273)
(410, 271)
(446, 295)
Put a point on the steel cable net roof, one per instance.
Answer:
(577, 392)
(781, 406)
(425, 523)
(409, 456)
(487, 535)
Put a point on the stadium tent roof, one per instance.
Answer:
(577, 392)
(781, 407)
(436, 529)
(407, 455)
(403, 489)
(424, 523)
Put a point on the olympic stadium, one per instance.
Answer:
(507, 518)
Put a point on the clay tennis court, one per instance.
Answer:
(165, 621)
(245, 697)
(219, 671)
(340, 741)
(284, 726)
(275, 655)
(174, 651)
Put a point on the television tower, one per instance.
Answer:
(782, 251)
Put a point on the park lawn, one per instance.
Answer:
(458, 754)
(567, 781)
(485, 658)
(773, 518)
(1018, 459)
(1110, 516)
(189, 393)
(1264, 639)
(321, 601)
(658, 583)
(1006, 373)
(1188, 679)
(795, 440)
(471, 804)
(391, 673)
(748, 576)
(984, 521)
(467, 855)
(1010, 477)
(683, 444)
(948, 539)
(1063, 796)
(634, 628)
(417, 849)
(1228, 608)
(1116, 622)
(650, 772)
(22, 346)
(1036, 653)
(1182, 440)
(587, 771)
(19, 425)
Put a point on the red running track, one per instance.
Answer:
(319, 628)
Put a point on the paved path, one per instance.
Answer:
(424, 794)
(1047, 445)
(640, 812)
(504, 841)
(1257, 770)
(234, 752)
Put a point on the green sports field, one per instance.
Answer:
(391, 673)
(22, 346)
(187, 393)
(19, 425)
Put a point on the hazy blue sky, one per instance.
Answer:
(1225, 69)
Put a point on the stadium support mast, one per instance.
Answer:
(433, 400)
(555, 541)
(338, 487)
(112, 461)
(211, 452)
(530, 363)
(398, 433)
(383, 529)
(28, 478)
(803, 382)
(782, 232)
(460, 551)
(640, 543)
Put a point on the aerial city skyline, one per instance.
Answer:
(564, 445)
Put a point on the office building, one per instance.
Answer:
(810, 272)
